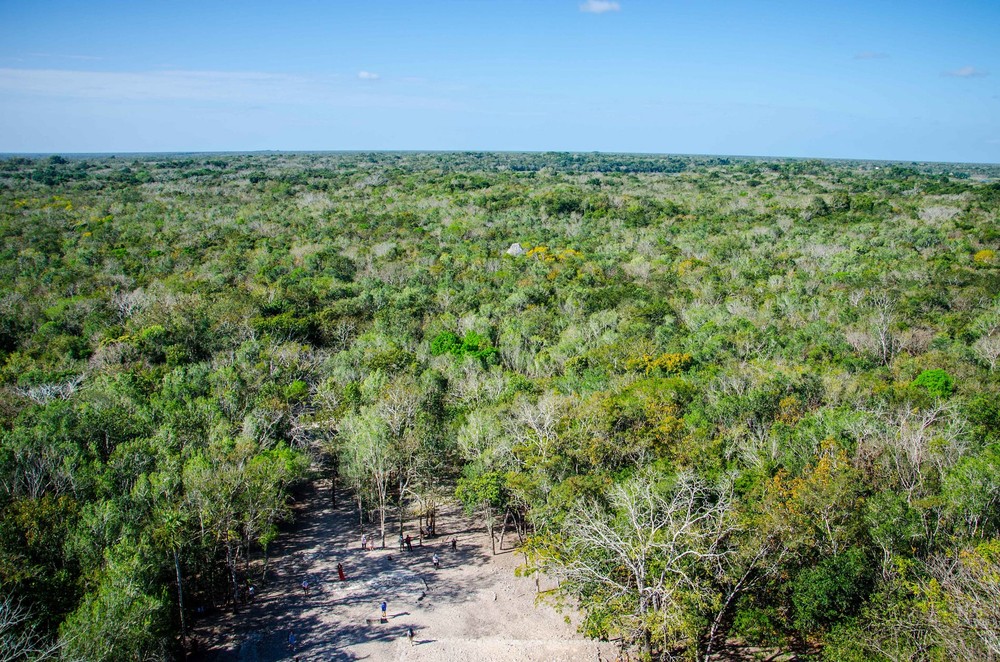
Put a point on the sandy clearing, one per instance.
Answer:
(473, 608)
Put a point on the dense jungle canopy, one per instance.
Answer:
(721, 399)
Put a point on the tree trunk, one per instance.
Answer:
(246, 558)
(381, 519)
(333, 480)
(489, 529)
(717, 626)
(180, 598)
(399, 508)
(231, 562)
(503, 529)
(361, 513)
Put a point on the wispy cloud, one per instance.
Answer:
(151, 85)
(244, 88)
(600, 6)
(871, 55)
(67, 57)
(368, 75)
(966, 72)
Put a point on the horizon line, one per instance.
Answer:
(7, 155)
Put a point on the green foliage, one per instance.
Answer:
(297, 391)
(485, 490)
(760, 626)
(788, 335)
(983, 413)
(937, 382)
(34, 561)
(445, 342)
(121, 619)
(832, 590)
(472, 344)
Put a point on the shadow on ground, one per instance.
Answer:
(334, 615)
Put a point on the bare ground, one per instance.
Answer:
(472, 609)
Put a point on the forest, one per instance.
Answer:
(722, 400)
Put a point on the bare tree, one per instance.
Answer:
(877, 334)
(964, 602)
(534, 424)
(127, 304)
(910, 440)
(45, 393)
(648, 553)
(20, 640)
(476, 386)
(882, 322)
(987, 350)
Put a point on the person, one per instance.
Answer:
(340, 571)
(371, 544)
(251, 593)
(436, 561)
(454, 543)
(401, 542)
(409, 635)
(292, 641)
(364, 541)
(384, 607)
(305, 587)
(409, 543)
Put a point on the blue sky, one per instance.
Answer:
(873, 79)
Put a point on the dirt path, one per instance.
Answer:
(473, 608)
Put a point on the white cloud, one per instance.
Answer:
(600, 6)
(871, 55)
(367, 75)
(966, 72)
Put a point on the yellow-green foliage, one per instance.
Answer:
(668, 363)
(985, 256)
(544, 254)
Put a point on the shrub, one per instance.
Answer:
(445, 342)
(985, 256)
(831, 590)
(472, 344)
(669, 363)
(937, 382)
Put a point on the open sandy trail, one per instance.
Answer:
(474, 608)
